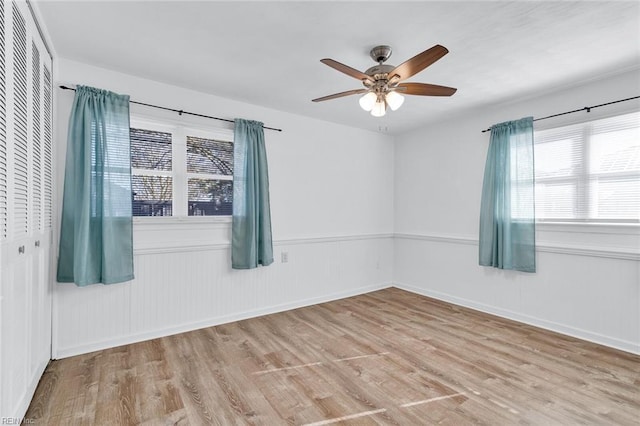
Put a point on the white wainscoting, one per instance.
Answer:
(184, 283)
(592, 292)
(586, 286)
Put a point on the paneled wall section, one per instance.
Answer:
(181, 287)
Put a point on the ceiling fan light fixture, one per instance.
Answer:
(368, 101)
(394, 100)
(384, 84)
(379, 109)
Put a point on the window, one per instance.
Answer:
(151, 177)
(209, 176)
(589, 172)
(180, 171)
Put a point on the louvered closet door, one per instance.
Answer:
(39, 218)
(3, 130)
(3, 195)
(25, 208)
(15, 288)
(3, 192)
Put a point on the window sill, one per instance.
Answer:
(617, 240)
(590, 227)
(166, 222)
(182, 219)
(168, 234)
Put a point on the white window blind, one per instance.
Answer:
(589, 171)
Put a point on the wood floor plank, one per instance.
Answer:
(389, 357)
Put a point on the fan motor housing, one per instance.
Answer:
(379, 69)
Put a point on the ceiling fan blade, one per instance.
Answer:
(419, 62)
(341, 94)
(345, 69)
(423, 89)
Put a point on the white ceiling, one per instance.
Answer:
(267, 53)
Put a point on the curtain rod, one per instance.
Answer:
(588, 109)
(179, 111)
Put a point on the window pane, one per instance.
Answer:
(150, 150)
(589, 171)
(615, 198)
(209, 156)
(556, 158)
(522, 202)
(152, 195)
(116, 200)
(614, 152)
(555, 201)
(209, 197)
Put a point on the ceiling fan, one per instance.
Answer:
(383, 83)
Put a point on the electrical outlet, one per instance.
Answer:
(284, 257)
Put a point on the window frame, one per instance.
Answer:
(580, 177)
(179, 130)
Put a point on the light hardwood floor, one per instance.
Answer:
(388, 357)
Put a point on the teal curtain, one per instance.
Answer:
(96, 243)
(251, 243)
(507, 217)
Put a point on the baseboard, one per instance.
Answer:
(526, 319)
(140, 337)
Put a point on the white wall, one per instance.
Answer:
(332, 211)
(428, 187)
(588, 279)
